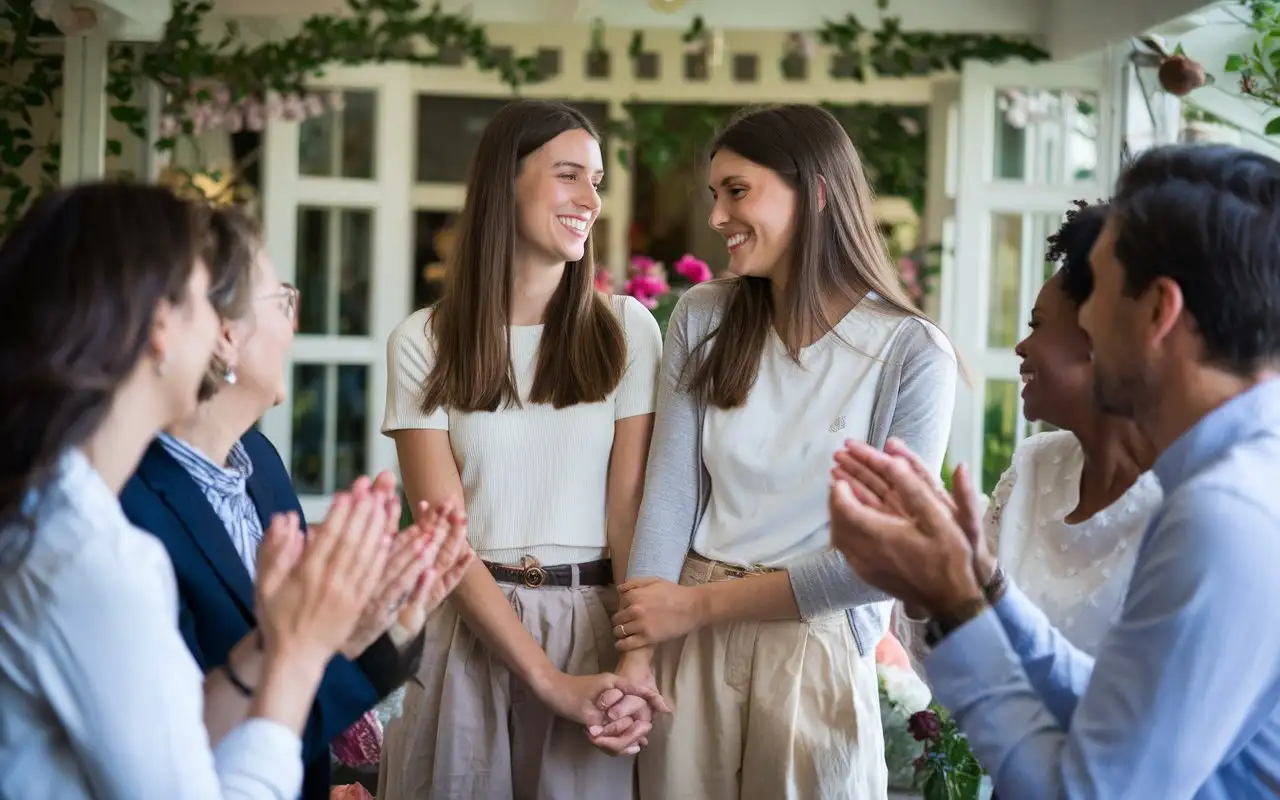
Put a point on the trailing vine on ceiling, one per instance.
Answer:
(215, 83)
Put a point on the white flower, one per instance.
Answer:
(905, 688)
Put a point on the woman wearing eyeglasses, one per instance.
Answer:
(208, 483)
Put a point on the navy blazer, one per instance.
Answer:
(216, 593)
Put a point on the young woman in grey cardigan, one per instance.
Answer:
(753, 628)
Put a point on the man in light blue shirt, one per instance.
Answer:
(1184, 697)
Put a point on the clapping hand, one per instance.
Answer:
(427, 560)
(900, 533)
(310, 593)
(448, 556)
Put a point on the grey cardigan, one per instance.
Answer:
(916, 395)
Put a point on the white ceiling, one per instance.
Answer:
(1068, 27)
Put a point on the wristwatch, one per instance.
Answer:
(941, 625)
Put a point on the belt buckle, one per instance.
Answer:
(532, 575)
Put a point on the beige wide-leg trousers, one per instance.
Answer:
(470, 729)
(784, 710)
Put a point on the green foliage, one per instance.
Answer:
(189, 67)
(949, 770)
(1258, 67)
(891, 52)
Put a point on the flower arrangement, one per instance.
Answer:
(947, 770)
(647, 282)
(902, 694)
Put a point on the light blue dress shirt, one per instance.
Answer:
(99, 696)
(1184, 698)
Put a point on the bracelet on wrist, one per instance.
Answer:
(241, 687)
(994, 588)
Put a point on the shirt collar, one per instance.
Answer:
(232, 478)
(1254, 411)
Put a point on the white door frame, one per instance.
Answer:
(387, 195)
(966, 302)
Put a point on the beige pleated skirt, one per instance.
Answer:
(470, 729)
(781, 710)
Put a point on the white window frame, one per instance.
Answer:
(966, 286)
(387, 195)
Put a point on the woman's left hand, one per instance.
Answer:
(655, 610)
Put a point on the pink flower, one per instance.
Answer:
(908, 270)
(693, 269)
(603, 282)
(642, 265)
(647, 289)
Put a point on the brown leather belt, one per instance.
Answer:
(533, 575)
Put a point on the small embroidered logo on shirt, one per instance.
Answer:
(838, 425)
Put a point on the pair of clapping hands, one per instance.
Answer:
(353, 576)
(903, 533)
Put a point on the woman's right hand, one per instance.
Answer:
(584, 699)
(310, 593)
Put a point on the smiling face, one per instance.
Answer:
(557, 197)
(1056, 372)
(755, 211)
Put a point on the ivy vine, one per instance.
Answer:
(204, 80)
(1259, 67)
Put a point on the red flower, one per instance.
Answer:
(694, 269)
(925, 726)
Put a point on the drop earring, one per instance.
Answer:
(229, 377)
(162, 366)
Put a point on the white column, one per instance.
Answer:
(84, 103)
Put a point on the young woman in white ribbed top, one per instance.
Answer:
(530, 396)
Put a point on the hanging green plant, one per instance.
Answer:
(221, 83)
(1259, 66)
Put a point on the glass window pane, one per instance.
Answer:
(449, 130)
(311, 268)
(351, 426)
(340, 143)
(1004, 307)
(434, 234)
(306, 459)
(1007, 313)
(999, 430)
(353, 278)
(330, 426)
(1046, 136)
(335, 254)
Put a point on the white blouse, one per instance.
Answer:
(99, 696)
(1077, 574)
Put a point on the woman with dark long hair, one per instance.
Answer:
(530, 397)
(751, 624)
(105, 333)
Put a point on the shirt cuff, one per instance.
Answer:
(1021, 617)
(969, 661)
(257, 755)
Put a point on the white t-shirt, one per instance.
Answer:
(1077, 574)
(534, 478)
(770, 460)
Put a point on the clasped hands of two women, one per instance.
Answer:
(354, 576)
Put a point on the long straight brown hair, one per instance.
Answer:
(837, 251)
(582, 354)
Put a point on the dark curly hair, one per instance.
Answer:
(1070, 247)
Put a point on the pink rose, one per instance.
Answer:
(603, 282)
(642, 265)
(693, 269)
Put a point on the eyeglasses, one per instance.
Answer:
(290, 294)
